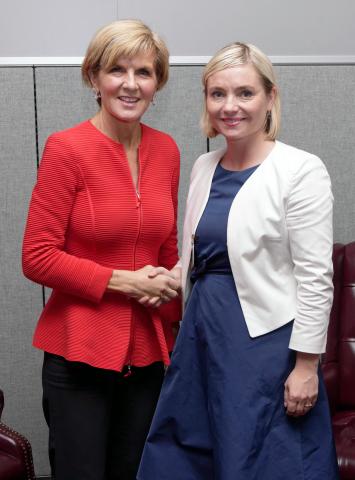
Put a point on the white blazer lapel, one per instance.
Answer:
(200, 186)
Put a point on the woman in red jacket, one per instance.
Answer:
(102, 214)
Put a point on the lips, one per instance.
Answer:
(232, 122)
(130, 100)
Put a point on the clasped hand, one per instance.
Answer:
(150, 286)
(171, 280)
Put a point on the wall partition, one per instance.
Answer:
(20, 300)
(318, 114)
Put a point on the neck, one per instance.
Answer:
(128, 134)
(246, 153)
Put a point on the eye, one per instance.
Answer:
(144, 72)
(116, 69)
(246, 93)
(216, 94)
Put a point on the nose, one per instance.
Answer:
(231, 104)
(130, 81)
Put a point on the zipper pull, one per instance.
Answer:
(129, 372)
(138, 203)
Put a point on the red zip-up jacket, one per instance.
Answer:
(85, 219)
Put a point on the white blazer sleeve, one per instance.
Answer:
(309, 223)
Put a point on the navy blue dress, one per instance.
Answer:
(220, 415)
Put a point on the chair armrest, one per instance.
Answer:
(17, 449)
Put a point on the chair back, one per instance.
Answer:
(346, 344)
(330, 359)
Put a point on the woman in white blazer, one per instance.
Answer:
(243, 398)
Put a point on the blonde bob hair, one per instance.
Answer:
(124, 38)
(234, 55)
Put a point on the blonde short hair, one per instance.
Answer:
(125, 38)
(234, 55)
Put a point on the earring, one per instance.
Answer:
(153, 100)
(268, 116)
(96, 93)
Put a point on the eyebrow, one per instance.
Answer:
(147, 67)
(119, 63)
(241, 87)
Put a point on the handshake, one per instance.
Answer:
(150, 286)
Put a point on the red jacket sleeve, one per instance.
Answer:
(44, 258)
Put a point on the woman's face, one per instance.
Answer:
(127, 88)
(237, 103)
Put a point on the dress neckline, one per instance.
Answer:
(254, 167)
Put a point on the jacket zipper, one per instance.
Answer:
(133, 326)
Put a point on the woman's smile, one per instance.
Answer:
(232, 122)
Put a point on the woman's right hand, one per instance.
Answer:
(155, 302)
(139, 285)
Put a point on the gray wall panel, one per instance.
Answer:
(318, 108)
(20, 300)
(62, 100)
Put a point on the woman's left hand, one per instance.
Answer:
(301, 386)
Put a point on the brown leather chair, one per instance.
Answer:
(338, 362)
(15, 453)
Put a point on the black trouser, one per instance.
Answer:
(98, 419)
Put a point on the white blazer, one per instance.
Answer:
(279, 241)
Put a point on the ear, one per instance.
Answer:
(272, 96)
(93, 80)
